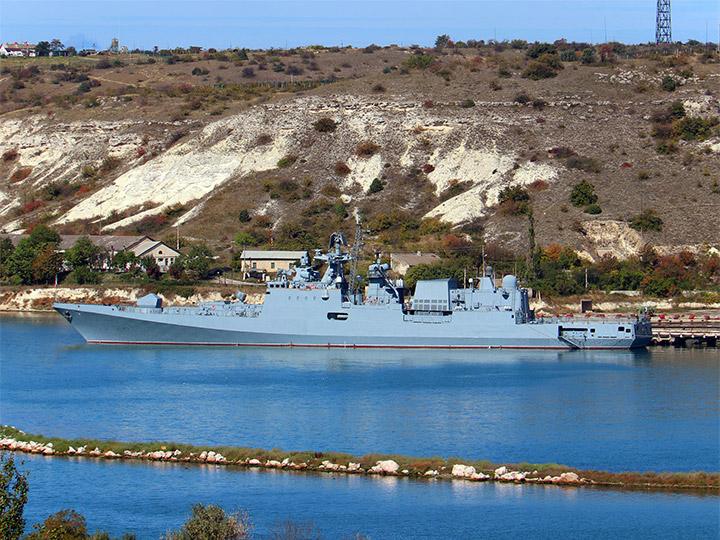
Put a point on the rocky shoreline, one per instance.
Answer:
(15, 440)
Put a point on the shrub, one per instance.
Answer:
(293, 69)
(648, 220)
(330, 190)
(676, 109)
(378, 88)
(691, 128)
(583, 163)
(643, 175)
(668, 84)
(243, 216)
(10, 155)
(325, 125)
(341, 169)
(14, 496)
(419, 61)
(587, 56)
(248, 72)
(263, 139)
(538, 49)
(666, 147)
(375, 186)
(562, 152)
(367, 149)
(583, 194)
(20, 174)
(212, 523)
(593, 209)
(64, 525)
(568, 56)
(522, 98)
(287, 161)
(467, 103)
(539, 70)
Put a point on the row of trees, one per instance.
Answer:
(37, 259)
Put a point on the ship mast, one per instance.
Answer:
(355, 253)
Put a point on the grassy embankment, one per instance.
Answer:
(416, 467)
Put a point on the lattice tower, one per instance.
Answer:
(663, 30)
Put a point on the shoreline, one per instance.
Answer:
(434, 468)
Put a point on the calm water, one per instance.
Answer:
(648, 410)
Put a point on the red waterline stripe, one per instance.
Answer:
(331, 346)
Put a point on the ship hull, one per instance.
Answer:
(361, 327)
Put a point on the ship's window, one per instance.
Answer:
(628, 329)
(621, 329)
(592, 329)
(337, 316)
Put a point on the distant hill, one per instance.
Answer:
(432, 148)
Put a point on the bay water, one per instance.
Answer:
(654, 410)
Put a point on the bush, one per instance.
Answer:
(287, 161)
(467, 103)
(14, 490)
(593, 209)
(325, 125)
(648, 220)
(375, 186)
(523, 98)
(691, 128)
(243, 216)
(64, 525)
(583, 163)
(583, 194)
(378, 88)
(419, 61)
(367, 149)
(248, 72)
(587, 56)
(341, 169)
(212, 523)
(668, 84)
(539, 70)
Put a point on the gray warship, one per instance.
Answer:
(304, 309)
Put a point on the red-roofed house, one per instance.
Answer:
(17, 49)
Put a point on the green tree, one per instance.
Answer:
(441, 41)
(84, 253)
(432, 271)
(122, 261)
(64, 525)
(197, 262)
(243, 216)
(47, 264)
(6, 251)
(42, 234)
(13, 496)
(375, 186)
(212, 523)
(42, 48)
(587, 56)
(648, 220)
(56, 45)
(583, 194)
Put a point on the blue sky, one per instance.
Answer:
(270, 23)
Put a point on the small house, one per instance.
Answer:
(268, 262)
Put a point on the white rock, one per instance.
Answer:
(272, 463)
(203, 455)
(500, 471)
(111, 454)
(431, 473)
(71, 450)
(353, 466)
(569, 477)
(463, 471)
(285, 462)
(387, 466)
(254, 462)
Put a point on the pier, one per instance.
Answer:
(686, 330)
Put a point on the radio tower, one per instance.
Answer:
(663, 32)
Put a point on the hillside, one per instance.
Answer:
(297, 138)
